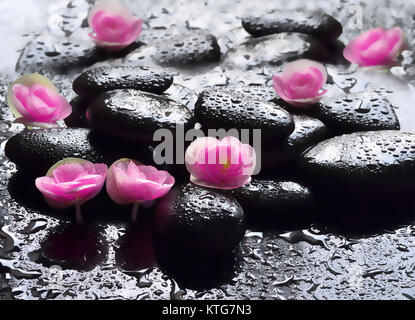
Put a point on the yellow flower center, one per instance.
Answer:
(227, 164)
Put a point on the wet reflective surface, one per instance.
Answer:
(342, 255)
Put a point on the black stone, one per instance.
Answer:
(227, 109)
(275, 203)
(275, 49)
(61, 55)
(187, 48)
(308, 132)
(57, 54)
(77, 119)
(315, 23)
(37, 150)
(178, 47)
(99, 80)
(136, 115)
(365, 111)
(257, 92)
(199, 220)
(363, 162)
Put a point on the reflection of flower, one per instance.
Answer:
(300, 82)
(113, 25)
(375, 47)
(222, 164)
(36, 102)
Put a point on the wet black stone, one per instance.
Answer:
(227, 109)
(275, 203)
(308, 132)
(136, 115)
(53, 54)
(178, 47)
(77, 119)
(199, 220)
(113, 148)
(275, 49)
(365, 111)
(315, 23)
(257, 92)
(99, 80)
(196, 46)
(37, 150)
(56, 54)
(365, 163)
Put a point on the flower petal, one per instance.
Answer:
(129, 182)
(374, 47)
(72, 180)
(302, 81)
(224, 164)
(114, 25)
(36, 100)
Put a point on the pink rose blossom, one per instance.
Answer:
(113, 25)
(222, 164)
(72, 181)
(36, 102)
(375, 47)
(130, 182)
(300, 83)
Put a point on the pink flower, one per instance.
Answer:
(300, 83)
(36, 102)
(129, 181)
(72, 181)
(113, 25)
(222, 164)
(375, 47)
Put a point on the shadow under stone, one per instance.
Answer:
(360, 216)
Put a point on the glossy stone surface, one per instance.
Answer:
(187, 48)
(136, 115)
(39, 149)
(57, 54)
(77, 119)
(286, 47)
(199, 219)
(178, 47)
(99, 80)
(275, 204)
(365, 111)
(228, 109)
(379, 160)
(308, 131)
(316, 23)
(257, 92)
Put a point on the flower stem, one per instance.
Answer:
(78, 212)
(135, 212)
